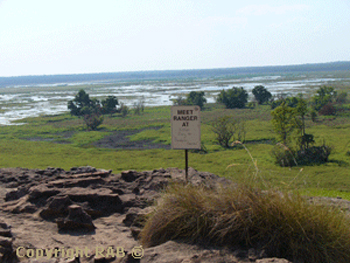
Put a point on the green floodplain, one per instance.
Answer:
(63, 141)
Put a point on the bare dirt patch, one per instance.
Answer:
(121, 140)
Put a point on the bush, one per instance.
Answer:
(233, 98)
(286, 157)
(139, 107)
(224, 128)
(124, 110)
(289, 101)
(109, 105)
(283, 224)
(179, 101)
(314, 155)
(328, 110)
(196, 98)
(93, 120)
(324, 95)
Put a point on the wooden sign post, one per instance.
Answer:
(185, 130)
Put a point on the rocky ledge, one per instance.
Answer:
(91, 215)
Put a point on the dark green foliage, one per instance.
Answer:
(109, 105)
(261, 94)
(289, 101)
(89, 109)
(233, 98)
(324, 95)
(312, 155)
(193, 98)
(196, 98)
(82, 104)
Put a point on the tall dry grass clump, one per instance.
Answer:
(283, 224)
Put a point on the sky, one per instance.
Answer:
(44, 37)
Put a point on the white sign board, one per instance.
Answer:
(185, 127)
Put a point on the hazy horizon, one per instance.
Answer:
(170, 70)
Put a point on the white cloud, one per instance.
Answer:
(268, 9)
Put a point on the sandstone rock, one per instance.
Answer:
(77, 220)
(7, 253)
(58, 207)
(136, 216)
(129, 176)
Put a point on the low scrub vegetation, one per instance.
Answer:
(283, 224)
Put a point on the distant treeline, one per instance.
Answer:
(171, 74)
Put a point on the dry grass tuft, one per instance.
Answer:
(283, 224)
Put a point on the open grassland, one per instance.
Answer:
(62, 141)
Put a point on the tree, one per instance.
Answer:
(82, 104)
(109, 105)
(324, 95)
(261, 94)
(233, 98)
(196, 98)
(284, 122)
(89, 109)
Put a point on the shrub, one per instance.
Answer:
(233, 98)
(289, 101)
(328, 110)
(139, 107)
(224, 128)
(93, 120)
(286, 157)
(313, 115)
(109, 105)
(179, 101)
(283, 224)
(196, 98)
(124, 110)
(261, 94)
(341, 98)
(323, 96)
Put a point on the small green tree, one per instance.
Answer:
(224, 128)
(233, 98)
(261, 94)
(79, 105)
(196, 98)
(109, 105)
(89, 109)
(324, 95)
(284, 121)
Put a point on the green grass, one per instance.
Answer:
(282, 224)
(18, 150)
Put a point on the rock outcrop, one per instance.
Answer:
(93, 204)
